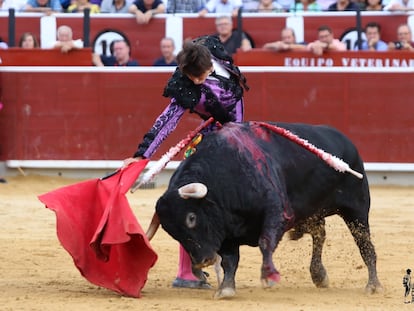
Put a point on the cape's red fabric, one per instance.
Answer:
(97, 227)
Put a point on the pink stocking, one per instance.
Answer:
(184, 266)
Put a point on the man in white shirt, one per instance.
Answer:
(400, 5)
(65, 40)
(18, 5)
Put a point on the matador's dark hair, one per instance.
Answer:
(194, 59)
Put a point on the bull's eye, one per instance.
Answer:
(191, 220)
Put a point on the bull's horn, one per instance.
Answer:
(194, 190)
(153, 227)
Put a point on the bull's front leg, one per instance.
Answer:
(272, 233)
(229, 261)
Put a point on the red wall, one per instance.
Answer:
(26, 57)
(104, 114)
(372, 109)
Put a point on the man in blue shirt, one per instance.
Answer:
(43, 6)
(373, 41)
(121, 56)
(167, 47)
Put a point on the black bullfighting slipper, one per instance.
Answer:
(2, 180)
(198, 284)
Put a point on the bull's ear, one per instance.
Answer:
(193, 190)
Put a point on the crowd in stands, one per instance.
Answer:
(146, 9)
(234, 40)
(326, 41)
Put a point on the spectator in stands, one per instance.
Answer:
(65, 4)
(400, 5)
(221, 7)
(115, 6)
(78, 6)
(43, 6)
(65, 41)
(167, 47)
(287, 43)
(305, 6)
(144, 10)
(360, 4)
(325, 42)
(268, 6)
(28, 41)
(250, 5)
(232, 40)
(121, 56)
(373, 5)
(373, 42)
(324, 4)
(286, 4)
(343, 5)
(185, 6)
(18, 5)
(404, 41)
(97, 2)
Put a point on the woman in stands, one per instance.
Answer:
(373, 5)
(207, 83)
(28, 41)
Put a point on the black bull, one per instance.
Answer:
(246, 185)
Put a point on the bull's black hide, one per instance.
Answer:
(259, 185)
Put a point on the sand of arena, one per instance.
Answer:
(36, 273)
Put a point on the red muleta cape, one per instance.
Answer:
(96, 225)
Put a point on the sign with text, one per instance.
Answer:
(391, 59)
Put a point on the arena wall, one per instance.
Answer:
(100, 114)
(62, 115)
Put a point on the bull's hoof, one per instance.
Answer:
(373, 288)
(271, 280)
(267, 283)
(322, 283)
(226, 292)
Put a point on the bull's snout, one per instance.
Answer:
(205, 262)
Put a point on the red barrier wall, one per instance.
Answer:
(25, 57)
(373, 109)
(102, 114)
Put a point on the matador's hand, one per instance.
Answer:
(128, 161)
